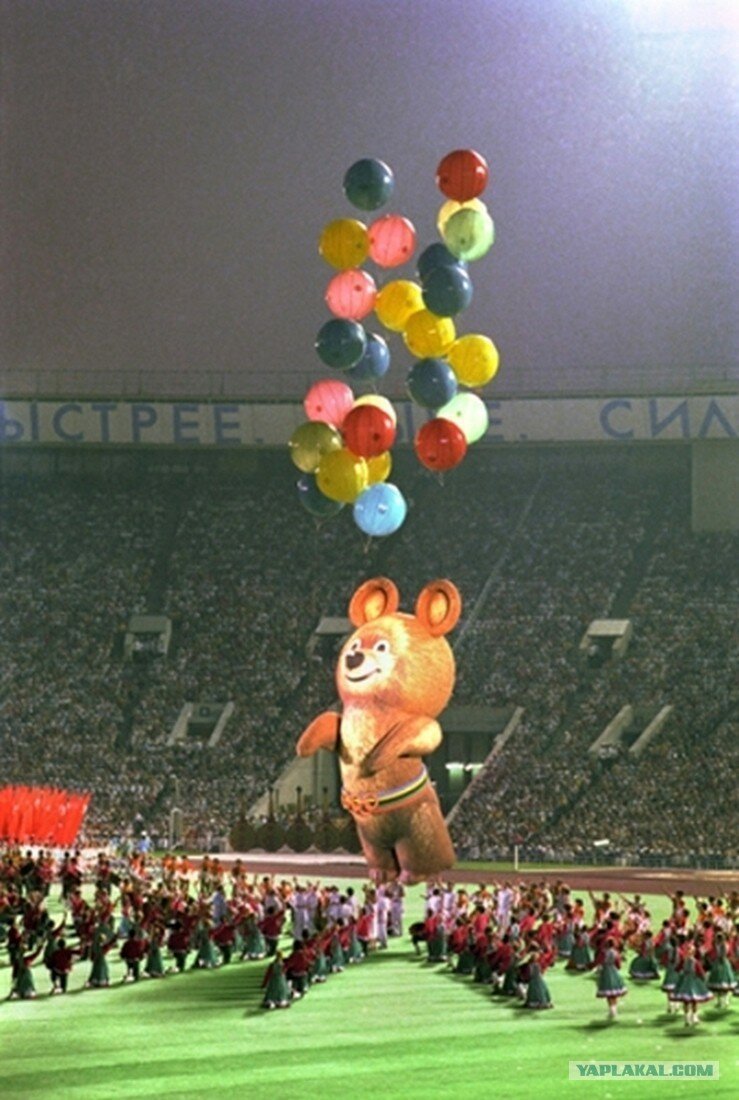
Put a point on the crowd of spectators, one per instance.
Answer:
(245, 576)
(545, 792)
(677, 799)
(75, 564)
(539, 545)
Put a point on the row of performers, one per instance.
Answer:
(194, 940)
(146, 904)
(314, 958)
(696, 964)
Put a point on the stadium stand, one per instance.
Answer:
(555, 538)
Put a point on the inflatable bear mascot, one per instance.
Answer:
(395, 675)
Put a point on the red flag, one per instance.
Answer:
(41, 815)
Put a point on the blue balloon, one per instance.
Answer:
(380, 510)
(313, 500)
(368, 183)
(431, 383)
(447, 290)
(435, 255)
(341, 343)
(375, 362)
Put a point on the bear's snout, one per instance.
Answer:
(354, 660)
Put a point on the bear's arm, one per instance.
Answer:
(322, 733)
(414, 736)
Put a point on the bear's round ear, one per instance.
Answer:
(438, 607)
(372, 599)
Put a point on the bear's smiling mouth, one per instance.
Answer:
(358, 679)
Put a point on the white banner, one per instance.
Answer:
(251, 424)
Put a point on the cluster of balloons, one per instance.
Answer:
(343, 448)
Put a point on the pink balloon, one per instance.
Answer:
(392, 240)
(328, 400)
(351, 294)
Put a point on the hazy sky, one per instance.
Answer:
(168, 166)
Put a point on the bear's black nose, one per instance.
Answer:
(354, 660)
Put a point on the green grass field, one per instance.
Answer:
(391, 1027)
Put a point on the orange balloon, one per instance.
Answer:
(381, 402)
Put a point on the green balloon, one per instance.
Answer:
(468, 412)
(469, 233)
(310, 442)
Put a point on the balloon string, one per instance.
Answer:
(440, 476)
(368, 545)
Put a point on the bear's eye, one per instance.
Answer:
(355, 645)
(381, 647)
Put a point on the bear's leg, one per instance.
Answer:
(426, 849)
(381, 862)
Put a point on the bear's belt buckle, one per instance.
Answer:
(361, 805)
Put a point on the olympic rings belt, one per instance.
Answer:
(366, 805)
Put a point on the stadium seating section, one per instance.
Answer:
(552, 540)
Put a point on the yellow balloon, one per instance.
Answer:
(451, 206)
(310, 442)
(342, 476)
(380, 402)
(396, 302)
(474, 359)
(379, 467)
(428, 335)
(344, 243)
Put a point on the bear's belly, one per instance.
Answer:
(361, 730)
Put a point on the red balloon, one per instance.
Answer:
(351, 294)
(462, 175)
(369, 431)
(392, 240)
(328, 400)
(440, 444)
